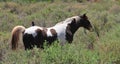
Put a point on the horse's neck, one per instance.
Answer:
(73, 28)
(66, 26)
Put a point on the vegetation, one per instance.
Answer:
(99, 47)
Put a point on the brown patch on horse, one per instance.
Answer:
(69, 35)
(40, 38)
(70, 30)
(44, 32)
(39, 32)
(54, 33)
(52, 38)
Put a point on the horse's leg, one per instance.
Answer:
(28, 41)
(39, 41)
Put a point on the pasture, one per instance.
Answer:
(99, 47)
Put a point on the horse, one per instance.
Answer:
(63, 32)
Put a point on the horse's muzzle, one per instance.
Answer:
(91, 29)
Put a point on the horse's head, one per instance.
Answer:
(84, 22)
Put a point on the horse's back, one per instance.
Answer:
(32, 30)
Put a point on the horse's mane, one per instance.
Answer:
(69, 20)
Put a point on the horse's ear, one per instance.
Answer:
(73, 21)
(84, 16)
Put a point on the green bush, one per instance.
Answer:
(98, 47)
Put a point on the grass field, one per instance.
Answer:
(99, 47)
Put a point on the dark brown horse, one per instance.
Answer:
(63, 32)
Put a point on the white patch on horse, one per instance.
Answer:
(49, 34)
(61, 32)
(31, 30)
(69, 20)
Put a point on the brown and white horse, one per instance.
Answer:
(63, 32)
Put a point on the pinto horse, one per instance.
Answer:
(62, 31)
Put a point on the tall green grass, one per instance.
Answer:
(98, 47)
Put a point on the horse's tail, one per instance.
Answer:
(17, 32)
